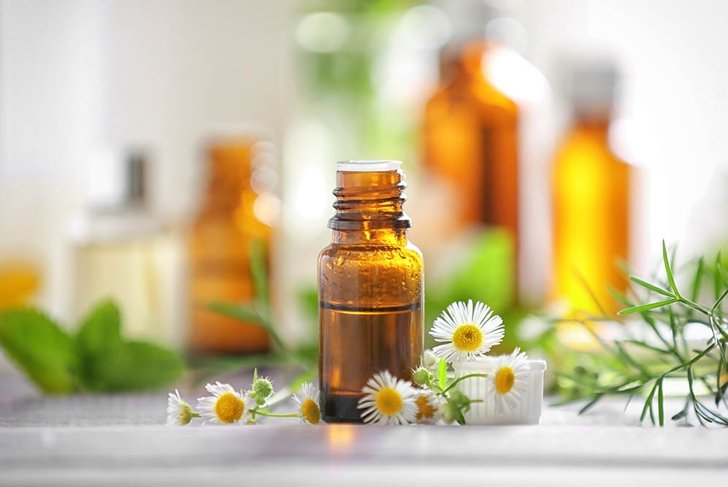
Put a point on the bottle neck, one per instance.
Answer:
(228, 176)
(595, 126)
(370, 208)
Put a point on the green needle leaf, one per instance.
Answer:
(260, 276)
(668, 269)
(648, 403)
(660, 403)
(239, 312)
(648, 306)
(651, 287)
(590, 404)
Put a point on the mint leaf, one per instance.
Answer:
(98, 337)
(100, 329)
(40, 348)
(136, 366)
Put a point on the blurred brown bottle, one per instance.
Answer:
(591, 198)
(226, 226)
(471, 130)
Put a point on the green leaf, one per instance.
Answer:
(97, 338)
(590, 404)
(651, 287)
(260, 275)
(668, 269)
(660, 403)
(648, 306)
(100, 330)
(442, 374)
(40, 348)
(647, 346)
(483, 272)
(137, 366)
(239, 312)
(648, 403)
(681, 414)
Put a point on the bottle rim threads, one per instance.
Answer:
(371, 198)
(373, 165)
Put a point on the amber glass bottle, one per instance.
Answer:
(591, 200)
(471, 141)
(219, 252)
(370, 283)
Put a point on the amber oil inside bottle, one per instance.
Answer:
(591, 220)
(370, 288)
(591, 201)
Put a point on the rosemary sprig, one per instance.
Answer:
(664, 352)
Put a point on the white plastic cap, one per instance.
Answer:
(368, 166)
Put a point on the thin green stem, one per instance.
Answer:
(275, 415)
(460, 379)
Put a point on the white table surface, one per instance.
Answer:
(121, 440)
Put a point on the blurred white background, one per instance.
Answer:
(79, 76)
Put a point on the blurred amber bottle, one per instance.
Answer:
(370, 288)
(591, 198)
(219, 251)
(471, 142)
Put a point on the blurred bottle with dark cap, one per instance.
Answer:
(123, 251)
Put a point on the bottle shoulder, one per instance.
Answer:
(581, 149)
(341, 253)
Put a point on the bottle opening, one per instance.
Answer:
(368, 166)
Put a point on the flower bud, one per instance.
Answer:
(262, 389)
(422, 377)
(430, 360)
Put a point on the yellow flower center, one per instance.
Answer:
(229, 408)
(504, 380)
(310, 411)
(467, 337)
(388, 401)
(424, 408)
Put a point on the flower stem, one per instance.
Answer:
(276, 415)
(460, 379)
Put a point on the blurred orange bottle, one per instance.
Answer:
(591, 198)
(471, 142)
(219, 251)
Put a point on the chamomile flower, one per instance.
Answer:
(179, 412)
(308, 407)
(224, 406)
(466, 331)
(388, 400)
(428, 407)
(510, 381)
